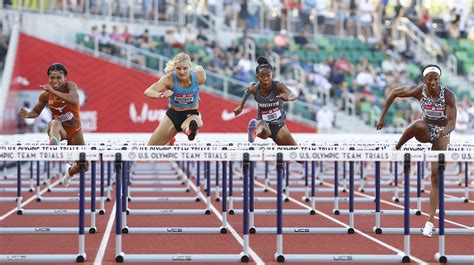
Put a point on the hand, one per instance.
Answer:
(46, 87)
(238, 110)
(167, 93)
(23, 113)
(380, 124)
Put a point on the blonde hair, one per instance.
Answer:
(179, 58)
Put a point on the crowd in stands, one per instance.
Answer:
(362, 66)
(337, 66)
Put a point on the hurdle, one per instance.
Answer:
(435, 156)
(164, 211)
(20, 155)
(156, 179)
(441, 254)
(120, 256)
(173, 230)
(254, 211)
(281, 257)
(93, 190)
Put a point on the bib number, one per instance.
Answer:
(65, 117)
(271, 116)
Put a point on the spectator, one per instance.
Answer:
(190, 34)
(301, 38)
(365, 78)
(322, 10)
(233, 48)
(201, 37)
(366, 9)
(325, 119)
(179, 39)
(425, 21)
(168, 37)
(126, 33)
(411, 13)
(344, 65)
(454, 24)
(145, 40)
(104, 40)
(115, 36)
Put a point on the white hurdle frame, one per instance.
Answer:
(16, 153)
(120, 256)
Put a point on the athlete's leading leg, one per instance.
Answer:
(56, 132)
(191, 125)
(418, 129)
(263, 131)
(163, 133)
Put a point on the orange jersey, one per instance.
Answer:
(67, 113)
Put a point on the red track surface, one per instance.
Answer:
(364, 241)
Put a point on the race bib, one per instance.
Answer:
(434, 111)
(183, 98)
(271, 115)
(65, 117)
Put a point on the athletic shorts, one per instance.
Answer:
(434, 135)
(178, 117)
(275, 128)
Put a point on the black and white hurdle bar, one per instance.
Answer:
(120, 256)
(441, 255)
(400, 257)
(81, 255)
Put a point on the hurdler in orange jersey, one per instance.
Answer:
(62, 99)
(67, 113)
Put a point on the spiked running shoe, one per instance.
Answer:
(252, 130)
(193, 128)
(53, 141)
(428, 230)
(67, 177)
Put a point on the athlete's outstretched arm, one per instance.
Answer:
(71, 97)
(162, 88)
(249, 90)
(200, 74)
(399, 92)
(35, 112)
(285, 93)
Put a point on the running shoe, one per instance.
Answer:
(53, 141)
(193, 128)
(67, 177)
(428, 230)
(172, 141)
(252, 130)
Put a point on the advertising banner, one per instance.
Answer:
(112, 97)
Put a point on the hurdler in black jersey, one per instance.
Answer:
(438, 105)
(269, 94)
(270, 109)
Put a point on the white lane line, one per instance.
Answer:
(27, 201)
(252, 253)
(401, 207)
(105, 239)
(413, 258)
